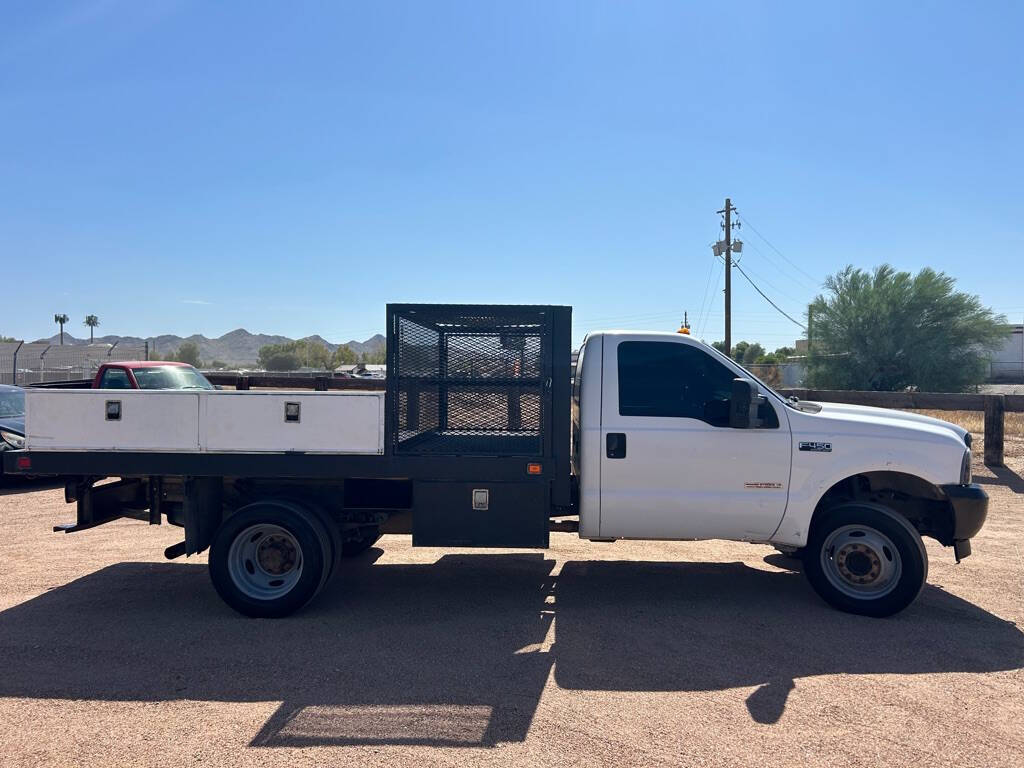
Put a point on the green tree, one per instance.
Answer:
(343, 355)
(6, 339)
(292, 355)
(744, 352)
(751, 354)
(889, 330)
(376, 356)
(60, 319)
(313, 354)
(279, 360)
(188, 352)
(91, 321)
(776, 357)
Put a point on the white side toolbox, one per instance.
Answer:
(275, 422)
(111, 420)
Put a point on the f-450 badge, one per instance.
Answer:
(816, 447)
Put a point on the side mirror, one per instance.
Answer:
(743, 404)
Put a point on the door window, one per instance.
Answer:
(673, 379)
(115, 378)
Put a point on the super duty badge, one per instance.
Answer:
(816, 447)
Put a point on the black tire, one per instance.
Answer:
(353, 547)
(332, 536)
(305, 532)
(866, 559)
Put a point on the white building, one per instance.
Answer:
(1007, 362)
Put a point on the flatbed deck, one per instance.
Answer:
(322, 466)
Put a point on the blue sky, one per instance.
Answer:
(180, 167)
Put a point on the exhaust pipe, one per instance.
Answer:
(175, 550)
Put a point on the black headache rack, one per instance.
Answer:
(477, 418)
(470, 380)
(474, 382)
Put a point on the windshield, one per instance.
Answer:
(12, 403)
(170, 377)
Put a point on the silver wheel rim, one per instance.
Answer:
(265, 561)
(861, 562)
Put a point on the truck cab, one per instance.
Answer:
(149, 374)
(659, 452)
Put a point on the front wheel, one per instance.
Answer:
(866, 559)
(270, 558)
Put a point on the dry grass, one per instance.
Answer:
(974, 422)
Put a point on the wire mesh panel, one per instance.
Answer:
(41, 362)
(8, 369)
(469, 380)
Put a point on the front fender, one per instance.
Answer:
(810, 484)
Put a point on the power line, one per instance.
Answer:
(775, 289)
(746, 221)
(777, 307)
(707, 287)
(783, 271)
(706, 317)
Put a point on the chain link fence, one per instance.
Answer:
(24, 364)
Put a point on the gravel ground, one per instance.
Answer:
(630, 653)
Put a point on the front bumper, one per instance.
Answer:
(970, 508)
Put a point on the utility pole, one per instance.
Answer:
(728, 274)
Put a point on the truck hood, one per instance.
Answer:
(888, 416)
(13, 424)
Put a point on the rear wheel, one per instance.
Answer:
(866, 559)
(270, 558)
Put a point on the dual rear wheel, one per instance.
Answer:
(271, 558)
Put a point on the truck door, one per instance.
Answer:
(671, 467)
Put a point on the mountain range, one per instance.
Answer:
(239, 347)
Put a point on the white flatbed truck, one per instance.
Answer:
(483, 435)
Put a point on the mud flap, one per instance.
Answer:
(203, 511)
(103, 503)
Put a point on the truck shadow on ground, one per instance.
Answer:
(12, 485)
(1004, 476)
(458, 652)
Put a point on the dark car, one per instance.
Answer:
(12, 417)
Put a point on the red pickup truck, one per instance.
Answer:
(149, 374)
